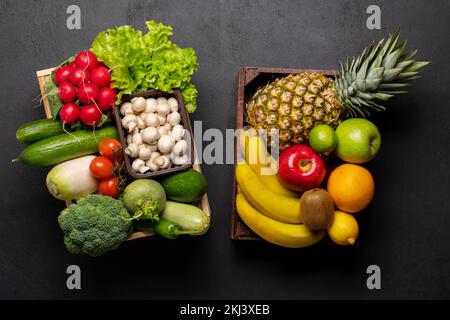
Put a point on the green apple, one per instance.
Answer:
(358, 140)
(322, 138)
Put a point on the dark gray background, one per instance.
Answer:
(405, 231)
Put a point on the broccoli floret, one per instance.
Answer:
(94, 225)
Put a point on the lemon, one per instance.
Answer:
(344, 230)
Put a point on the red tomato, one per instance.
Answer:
(108, 187)
(101, 167)
(107, 147)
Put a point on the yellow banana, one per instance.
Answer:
(262, 163)
(278, 207)
(276, 232)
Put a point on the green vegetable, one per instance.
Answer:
(144, 199)
(163, 227)
(186, 186)
(143, 61)
(188, 217)
(95, 225)
(52, 96)
(65, 147)
(71, 179)
(39, 129)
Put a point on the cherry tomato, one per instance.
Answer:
(107, 147)
(108, 187)
(101, 167)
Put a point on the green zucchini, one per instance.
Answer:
(39, 129)
(188, 217)
(65, 146)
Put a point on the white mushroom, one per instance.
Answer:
(163, 109)
(132, 150)
(180, 148)
(151, 119)
(174, 118)
(138, 104)
(168, 127)
(163, 161)
(165, 144)
(145, 152)
(162, 131)
(184, 159)
(153, 146)
(173, 103)
(137, 164)
(141, 123)
(129, 141)
(150, 162)
(136, 138)
(161, 100)
(162, 120)
(150, 134)
(150, 105)
(177, 132)
(129, 122)
(126, 108)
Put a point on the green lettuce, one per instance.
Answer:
(142, 61)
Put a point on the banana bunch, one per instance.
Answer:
(266, 206)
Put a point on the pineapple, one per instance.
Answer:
(293, 105)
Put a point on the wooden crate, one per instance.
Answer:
(249, 80)
(44, 76)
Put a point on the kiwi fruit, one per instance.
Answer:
(316, 209)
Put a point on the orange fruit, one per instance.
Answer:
(351, 187)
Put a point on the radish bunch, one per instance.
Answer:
(84, 88)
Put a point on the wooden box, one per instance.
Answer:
(249, 80)
(44, 76)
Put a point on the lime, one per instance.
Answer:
(322, 138)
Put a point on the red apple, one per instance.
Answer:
(300, 168)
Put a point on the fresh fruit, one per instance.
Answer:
(278, 207)
(69, 113)
(262, 163)
(317, 209)
(101, 167)
(67, 92)
(359, 140)
(65, 146)
(188, 217)
(323, 138)
(86, 60)
(62, 74)
(79, 76)
(88, 93)
(90, 115)
(300, 168)
(296, 103)
(351, 187)
(100, 76)
(110, 148)
(186, 186)
(279, 233)
(109, 187)
(344, 230)
(39, 129)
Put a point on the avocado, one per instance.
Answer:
(187, 186)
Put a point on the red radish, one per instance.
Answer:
(72, 64)
(63, 74)
(79, 76)
(88, 93)
(86, 60)
(101, 76)
(67, 92)
(106, 98)
(69, 113)
(101, 64)
(90, 115)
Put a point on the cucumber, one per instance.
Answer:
(188, 217)
(65, 146)
(39, 129)
(186, 186)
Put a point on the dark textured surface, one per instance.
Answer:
(405, 231)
